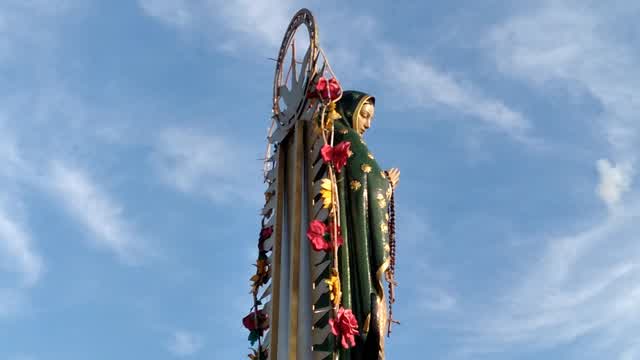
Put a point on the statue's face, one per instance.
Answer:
(365, 116)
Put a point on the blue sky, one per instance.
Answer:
(129, 139)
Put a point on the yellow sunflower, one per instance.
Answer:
(326, 190)
(335, 293)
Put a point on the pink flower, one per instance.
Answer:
(327, 89)
(345, 327)
(337, 155)
(316, 234)
(320, 236)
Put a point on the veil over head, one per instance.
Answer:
(350, 104)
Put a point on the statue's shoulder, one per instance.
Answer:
(345, 133)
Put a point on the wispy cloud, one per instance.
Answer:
(185, 343)
(428, 87)
(173, 13)
(262, 24)
(579, 47)
(584, 283)
(93, 207)
(261, 20)
(17, 251)
(259, 23)
(195, 162)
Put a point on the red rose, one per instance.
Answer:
(249, 321)
(345, 327)
(337, 155)
(327, 89)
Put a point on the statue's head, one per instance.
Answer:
(357, 109)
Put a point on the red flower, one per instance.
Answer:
(265, 233)
(345, 327)
(316, 234)
(337, 155)
(327, 89)
(320, 236)
(250, 323)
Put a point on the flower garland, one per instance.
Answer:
(257, 321)
(323, 235)
(326, 236)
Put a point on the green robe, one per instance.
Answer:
(364, 192)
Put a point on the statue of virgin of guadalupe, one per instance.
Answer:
(364, 191)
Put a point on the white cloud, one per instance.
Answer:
(429, 87)
(584, 285)
(568, 42)
(614, 181)
(263, 24)
(258, 22)
(184, 343)
(262, 20)
(177, 13)
(96, 210)
(197, 163)
(17, 252)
